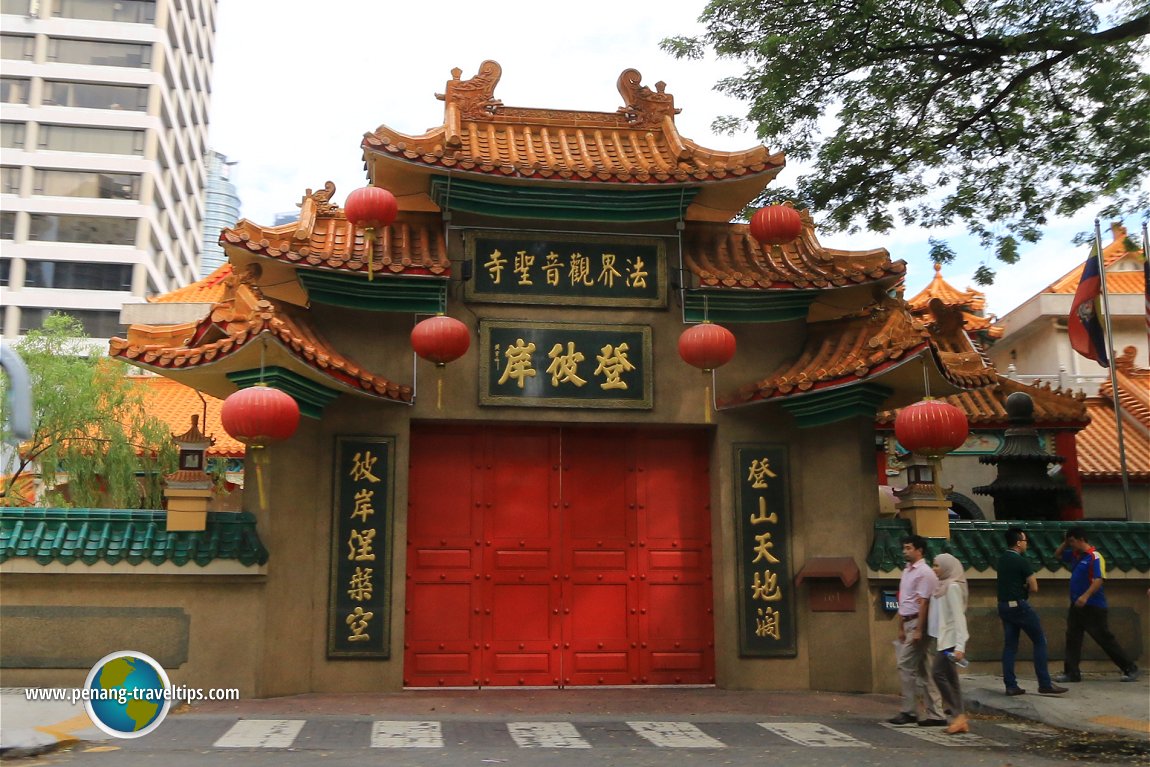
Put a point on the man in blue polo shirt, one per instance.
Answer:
(1088, 612)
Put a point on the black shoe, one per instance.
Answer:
(1012, 691)
(1068, 678)
(932, 723)
(1052, 690)
(903, 718)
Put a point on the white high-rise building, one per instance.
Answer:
(104, 137)
(222, 209)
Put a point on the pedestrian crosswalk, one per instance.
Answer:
(404, 734)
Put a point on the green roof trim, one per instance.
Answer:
(834, 405)
(978, 543)
(743, 305)
(384, 293)
(311, 397)
(637, 202)
(135, 537)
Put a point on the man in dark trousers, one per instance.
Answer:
(1088, 612)
(1016, 582)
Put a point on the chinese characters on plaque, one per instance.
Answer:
(359, 624)
(766, 603)
(557, 268)
(564, 364)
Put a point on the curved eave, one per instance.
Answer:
(207, 368)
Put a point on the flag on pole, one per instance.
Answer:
(1087, 336)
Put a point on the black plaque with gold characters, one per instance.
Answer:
(766, 601)
(560, 268)
(359, 621)
(553, 364)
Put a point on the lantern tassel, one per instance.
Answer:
(369, 241)
(259, 460)
(707, 403)
(439, 390)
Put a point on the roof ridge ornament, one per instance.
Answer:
(472, 99)
(313, 204)
(643, 107)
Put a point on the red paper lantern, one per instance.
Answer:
(776, 225)
(707, 346)
(932, 427)
(372, 208)
(259, 414)
(440, 339)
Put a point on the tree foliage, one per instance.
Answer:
(90, 427)
(996, 114)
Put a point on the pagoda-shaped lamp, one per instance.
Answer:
(188, 490)
(929, 429)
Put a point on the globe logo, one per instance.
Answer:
(127, 694)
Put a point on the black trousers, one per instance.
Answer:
(1093, 621)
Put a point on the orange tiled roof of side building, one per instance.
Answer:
(323, 238)
(175, 404)
(243, 316)
(207, 290)
(636, 144)
(726, 255)
(972, 303)
(1098, 455)
(858, 347)
(1133, 281)
(986, 405)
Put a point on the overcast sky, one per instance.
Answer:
(297, 84)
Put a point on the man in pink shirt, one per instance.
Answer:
(915, 587)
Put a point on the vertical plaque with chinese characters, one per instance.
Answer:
(766, 591)
(359, 622)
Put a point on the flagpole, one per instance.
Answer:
(1113, 374)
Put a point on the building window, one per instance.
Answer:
(99, 52)
(97, 324)
(12, 135)
(5, 267)
(101, 230)
(129, 11)
(17, 47)
(13, 90)
(77, 275)
(9, 180)
(94, 96)
(15, 7)
(7, 224)
(66, 138)
(75, 183)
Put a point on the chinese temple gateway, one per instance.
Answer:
(568, 503)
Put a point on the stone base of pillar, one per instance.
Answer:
(929, 517)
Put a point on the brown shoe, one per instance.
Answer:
(1012, 691)
(1052, 690)
(960, 724)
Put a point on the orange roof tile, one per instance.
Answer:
(1098, 455)
(175, 404)
(726, 255)
(323, 238)
(1124, 282)
(208, 290)
(636, 144)
(985, 406)
(233, 323)
(971, 301)
(860, 346)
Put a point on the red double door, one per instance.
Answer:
(558, 556)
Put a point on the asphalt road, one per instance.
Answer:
(200, 739)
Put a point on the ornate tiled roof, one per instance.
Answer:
(174, 403)
(1124, 282)
(979, 543)
(207, 290)
(1098, 454)
(323, 238)
(726, 255)
(638, 143)
(241, 318)
(860, 346)
(985, 406)
(135, 537)
(971, 302)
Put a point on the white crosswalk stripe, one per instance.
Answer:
(261, 733)
(406, 735)
(1032, 729)
(939, 736)
(813, 734)
(546, 735)
(675, 735)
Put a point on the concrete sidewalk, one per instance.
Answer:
(1099, 704)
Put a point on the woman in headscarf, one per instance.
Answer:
(947, 624)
